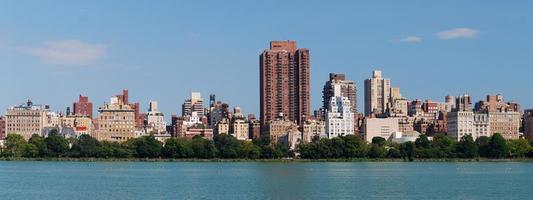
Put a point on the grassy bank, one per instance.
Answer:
(262, 160)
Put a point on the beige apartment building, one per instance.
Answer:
(116, 121)
(313, 129)
(505, 123)
(26, 119)
(240, 129)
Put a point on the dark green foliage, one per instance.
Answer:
(146, 147)
(228, 146)
(56, 145)
(466, 148)
(340, 147)
(498, 147)
(14, 146)
(41, 145)
(483, 146)
(203, 148)
(519, 148)
(408, 150)
(85, 146)
(178, 148)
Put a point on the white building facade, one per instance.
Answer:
(339, 117)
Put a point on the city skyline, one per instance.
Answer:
(455, 54)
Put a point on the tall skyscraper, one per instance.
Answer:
(194, 104)
(348, 89)
(83, 107)
(284, 82)
(377, 94)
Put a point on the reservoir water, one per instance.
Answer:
(264, 180)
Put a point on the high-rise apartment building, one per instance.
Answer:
(377, 94)
(83, 107)
(284, 82)
(347, 89)
(528, 124)
(193, 104)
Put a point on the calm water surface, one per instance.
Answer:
(241, 180)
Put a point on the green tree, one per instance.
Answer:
(14, 145)
(482, 144)
(250, 150)
(108, 149)
(203, 148)
(227, 146)
(38, 141)
(376, 151)
(466, 148)
(337, 146)
(377, 148)
(355, 147)
(31, 151)
(379, 141)
(519, 148)
(178, 148)
(146, 147)
(85, 146)
(57, 145)
(408, 150)
(442, 146)
(498, 147)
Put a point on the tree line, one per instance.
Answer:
(85, 146)
(228, 147)
(441, 146)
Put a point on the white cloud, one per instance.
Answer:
(457, 33)
(67, 52)
(411, 39)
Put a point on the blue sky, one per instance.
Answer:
(51, 51)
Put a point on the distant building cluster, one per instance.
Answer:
(285, 111)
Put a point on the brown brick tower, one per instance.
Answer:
(284, 82)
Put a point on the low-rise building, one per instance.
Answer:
(240, 129)
(313, 129)
(379, 127)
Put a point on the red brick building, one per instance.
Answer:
(284, 82)
(83, 107)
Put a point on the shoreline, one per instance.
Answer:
(219, 160)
